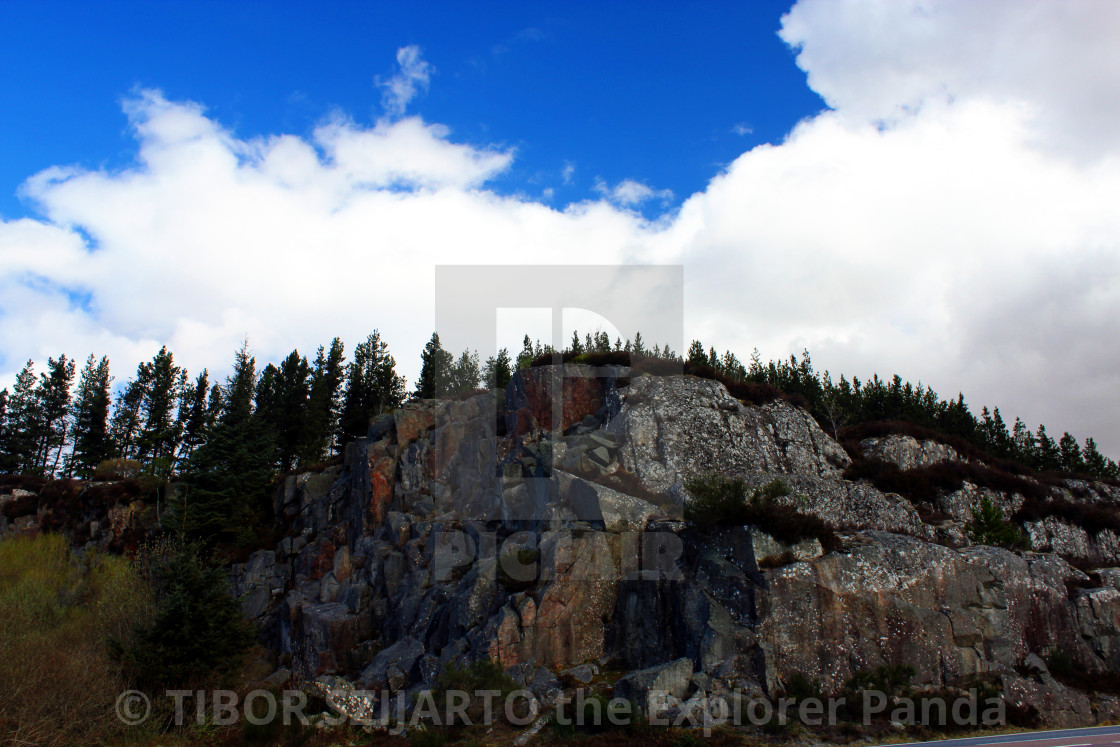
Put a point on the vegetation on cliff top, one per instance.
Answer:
(227, 441)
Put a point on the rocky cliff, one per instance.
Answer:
(548, 535)
(469, 530)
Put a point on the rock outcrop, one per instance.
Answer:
(548, 536)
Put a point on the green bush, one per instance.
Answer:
(799, 687)
(719, 501)
(989, 528)
(197, 634)
(892, 680)
(118, 468)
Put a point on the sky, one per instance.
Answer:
(911, 187)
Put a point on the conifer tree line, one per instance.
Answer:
(842, 403)
(300, 412)
(837, 405)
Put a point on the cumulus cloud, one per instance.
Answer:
(411, 79)
(211, 238)
(879, 61)
(951, 218)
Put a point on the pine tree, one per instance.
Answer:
(372, 387)
(696, 354)
(158, 439)
(194, 417)
(3, 423)
(227, 477)
(1095, 462)
(323, 404)
(124, 428)
(283, 396)
(498, 370)
(23, 424)
(602, 342)
(53, 394)
(197, 628)
(1047, 456)
(525, 357)
(464, 376)
(638, 348)
(1070, 454)
(91, 418)
(435, 368)
(1023, 442)
(577, 347)
(756, 372)
(732, 368)
(1002, 439)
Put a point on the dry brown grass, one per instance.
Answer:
(58, 684)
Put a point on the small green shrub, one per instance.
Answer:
(892, 680)
(799, 687)
(989, 528)
(481, 675)
(197, 634)
(118, 468)
(719, 501)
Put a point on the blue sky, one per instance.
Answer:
(637, 90)
(911, 187)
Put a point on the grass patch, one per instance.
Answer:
(58, 682)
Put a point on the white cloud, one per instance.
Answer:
(879, 60)
(288, 241)
(568, 172)
(951, 219)
(412, 79)
(629, 193)
(742, 128)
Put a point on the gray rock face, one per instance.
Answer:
(1054, 535)
(907, 452)
(392, 666)
(961, 503)
(677, 427)
(848, 505)
(949, 613)
(768, 550)
(258, 582)
(603, 506)
(442, 543)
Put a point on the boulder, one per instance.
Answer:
(1057, 706)
(393, 666)
(646, 686)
